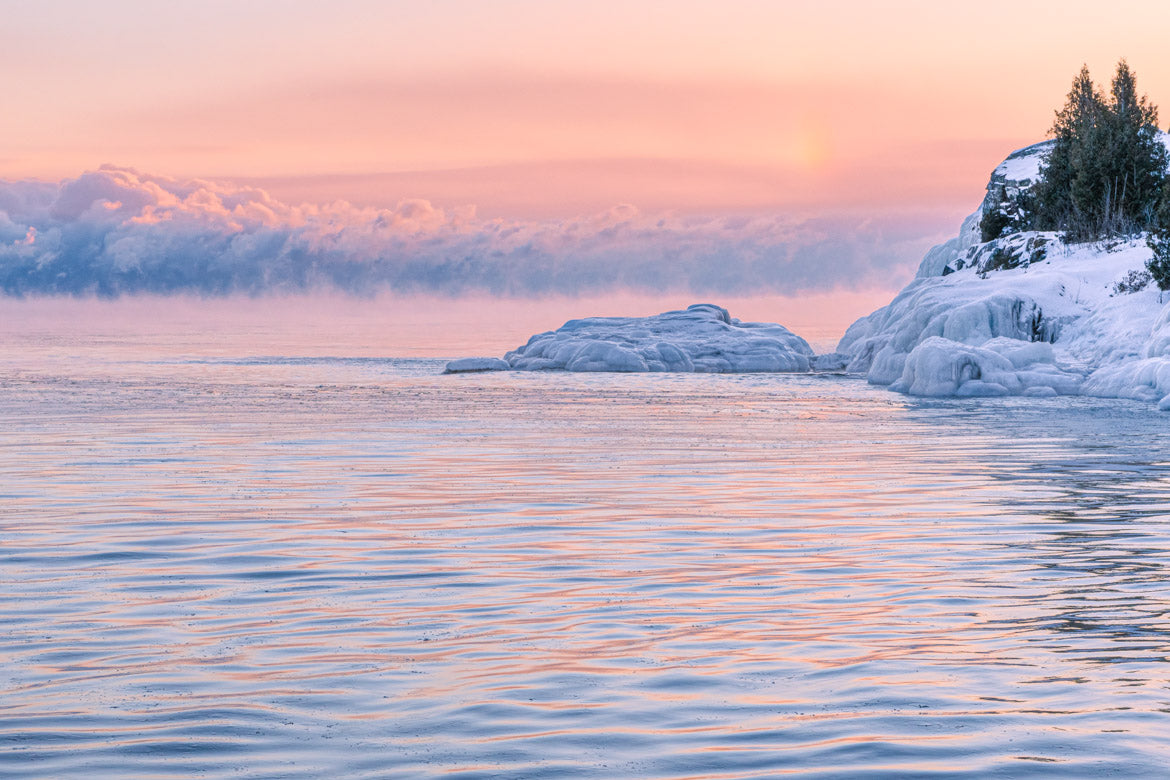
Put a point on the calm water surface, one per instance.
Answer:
(244, 566)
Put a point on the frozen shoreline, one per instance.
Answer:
(1055, 323)
(1026, 314)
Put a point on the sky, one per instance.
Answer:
(522, 149)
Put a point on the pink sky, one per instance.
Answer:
(854, 112)
(525, 106)
(411, 326)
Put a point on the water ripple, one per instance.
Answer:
(271, 567)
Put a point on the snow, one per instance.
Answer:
(475, 364)
(1053, 325)
(1022, 166)
(1001, 366)
(831, 361)
(703, 338)
(1024, 315)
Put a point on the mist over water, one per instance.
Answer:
(118, 231)
(225, 560)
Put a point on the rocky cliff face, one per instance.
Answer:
(1009, 184)
(1016, 174)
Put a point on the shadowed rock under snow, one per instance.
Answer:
(703, 338)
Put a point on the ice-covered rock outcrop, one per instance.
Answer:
(703, 338)
(476, 365)
(897, 344)
(1022, 314)
(1001, 366)
(1145, 377)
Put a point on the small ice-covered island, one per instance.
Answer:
(702, 338)
(1054, 286)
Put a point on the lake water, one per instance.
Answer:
(218, 563)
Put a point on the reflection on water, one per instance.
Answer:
(324, 567)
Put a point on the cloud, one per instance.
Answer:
(117, 231)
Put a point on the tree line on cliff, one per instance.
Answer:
(1104, 177)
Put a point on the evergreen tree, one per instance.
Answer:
(1135, 159)
(1105, 172)
(1159, 242)
(1074, 129)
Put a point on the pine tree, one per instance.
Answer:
(1074, 130)
(1105, 172)
(1135, 158)
(1159, 242)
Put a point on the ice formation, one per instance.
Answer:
(703, 338)
(476, 364)
(1024, 314)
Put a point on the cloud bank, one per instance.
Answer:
(117, 231)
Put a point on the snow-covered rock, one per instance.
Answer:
(832, 361)
(940, 259)
(476, 364)
(703, 338)
(1013, 176)
(1024, 314)
(1001, 366)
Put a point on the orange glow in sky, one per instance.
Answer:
(536, 108)
(802, 156)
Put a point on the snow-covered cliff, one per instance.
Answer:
(1024, 314)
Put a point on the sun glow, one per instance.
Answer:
(440, 93)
